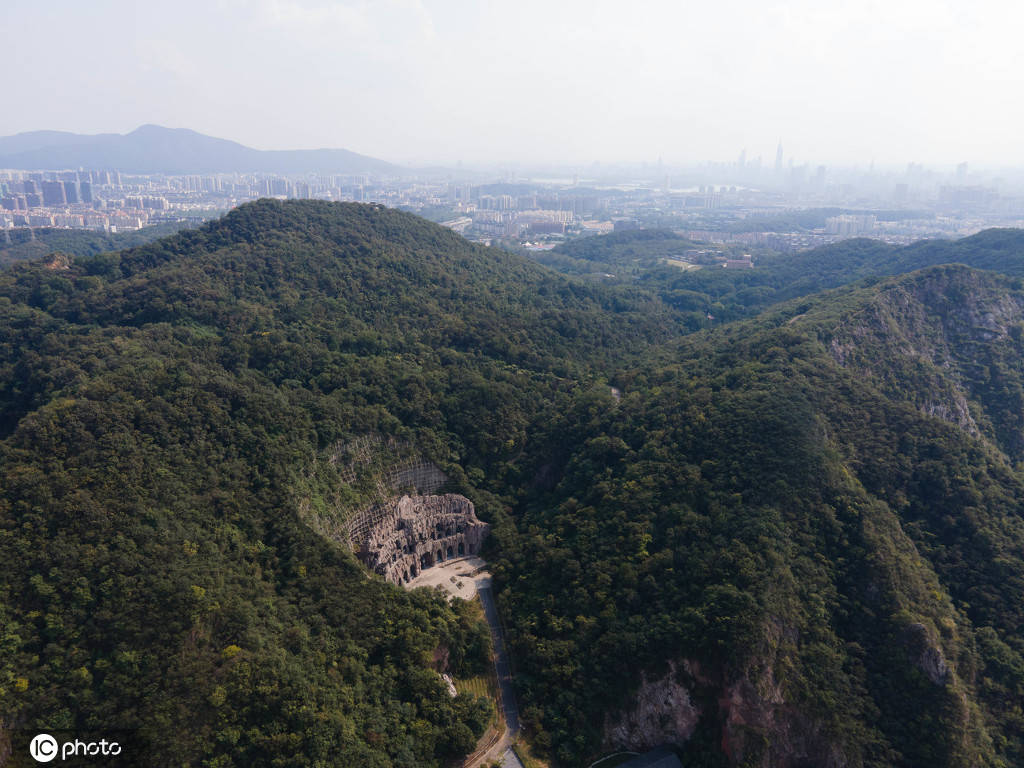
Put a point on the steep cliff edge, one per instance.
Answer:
(949, 339)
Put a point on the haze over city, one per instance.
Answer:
(427, 82)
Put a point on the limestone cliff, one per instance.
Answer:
(758, 726)
(661, 712)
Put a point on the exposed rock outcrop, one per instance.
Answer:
(661, 712)
(58, 261)
(758, 726)
(926, 654)
(415, 532)
(930, 329)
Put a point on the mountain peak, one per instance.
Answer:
(153, 128)
(152, 148)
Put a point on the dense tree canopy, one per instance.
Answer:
(24, 243)
(789, 493)
(638, 259)
(819, 499)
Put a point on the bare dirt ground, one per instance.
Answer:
(457, 577)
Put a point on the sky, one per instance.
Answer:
(565, 82)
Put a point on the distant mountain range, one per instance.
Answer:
(155, 149)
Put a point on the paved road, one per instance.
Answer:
(511, 760)
(502, 750)
(501, 663)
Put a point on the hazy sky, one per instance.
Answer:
(564, 81)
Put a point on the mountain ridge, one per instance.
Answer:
(773, 521)
(161, 408)
(638, 258)
(152, 149)
(807, 538)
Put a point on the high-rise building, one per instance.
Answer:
(71, 192)
(53, 193)
(849, 224)
(778, 158)
(86, 189)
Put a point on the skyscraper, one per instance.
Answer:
(53, 193)
(71, 192)
(778, 158)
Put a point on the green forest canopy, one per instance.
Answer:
(794, 492)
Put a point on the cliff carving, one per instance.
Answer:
(411, 533)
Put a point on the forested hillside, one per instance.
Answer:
(816, 514)
(618, 252)
(806, 524)
(157, 406)
(22, 244)
(637, 258)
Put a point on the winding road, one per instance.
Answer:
(464, 579)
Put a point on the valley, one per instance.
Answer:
(790, 537)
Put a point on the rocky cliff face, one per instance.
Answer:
(759, 727)
(762, 729)
(950, 340)
(661, 712)
(926, 653)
